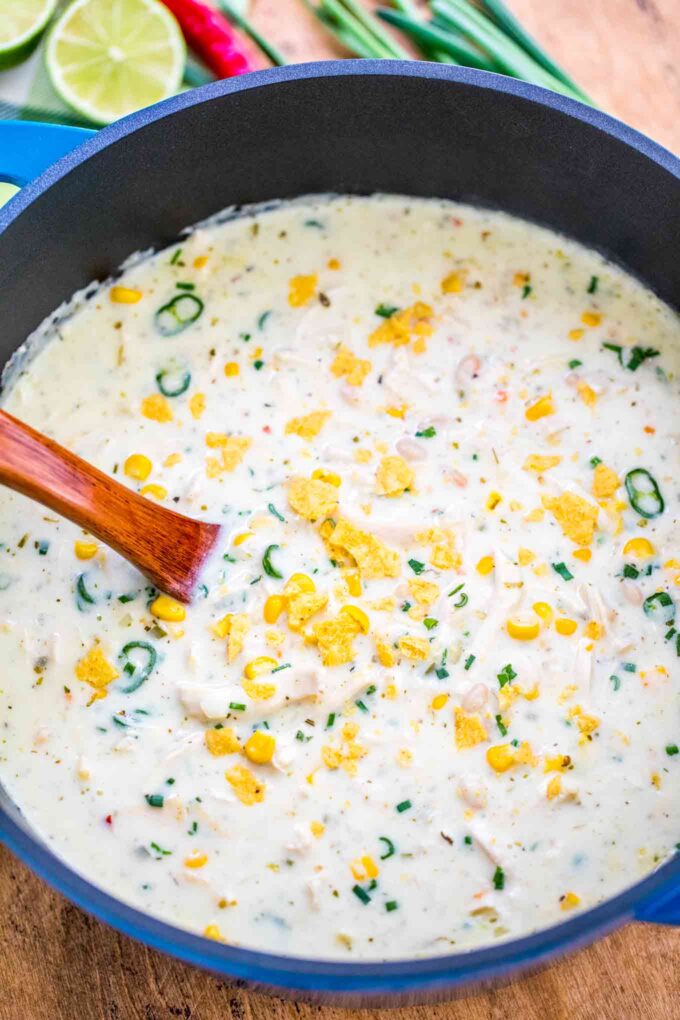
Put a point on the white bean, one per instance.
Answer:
(632, 593)
(468, 369)
(410, 449)
(475, 699)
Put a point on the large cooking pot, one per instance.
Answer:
(351, 126)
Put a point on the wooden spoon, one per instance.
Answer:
(166, 547)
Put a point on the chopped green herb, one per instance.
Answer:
(502, 728)
(178, 314)
(629, 667)
(160, 850)
(575, 363)
(236, 706)
(615, 681)
(154, 799)
(405, 606)
(594, 461)
(563, 570)
(390, 849)
(660, 607)
(257, 365)
(262, 319)
(172, 382)
(416, 566)
(303, 737)
(361, 705)
(404, 805)
(427, 433)
(140, 673)
(83, 595)
(361, 894)
(468, 662)
(506, 675)
(42, 547)
(391, 905)
(430, 623)
(526, 290)
(499, 878)
(630, 571)
(467, 840)
(592, 286)
(284, 665)
(185, 286)
(175, 257)
(644, 493)
(386, 311)
(269, 569)
(638, 355)
(672, 749)
(272, 510)
(442, 672)
(330, 721)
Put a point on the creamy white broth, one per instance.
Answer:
(486, 741)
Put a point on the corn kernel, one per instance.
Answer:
(211, 931)
(359, 616)
(591, 319)
(569, 901)
(494, 499)
(200, 261)
(501, 757)
(273, 608)
(523, 628)
(575, 334)
(222, 741)
(453, 283)
(259, 747)
(594, 630)
(565, 627)
(242, 537)
(165, 608)
(125, 295)
(327, 476)
(640, 548)
(485, 565)
(231, 368)
(583, 555)
(85, 550)
(263, 664)
(540, 409)
(353, 582)
(196, 860)
(300, 582)
(554, 788)
(364, 867)
(138, 466)
(317, 829)
(543, 610)
(158, 492)
(438, 702)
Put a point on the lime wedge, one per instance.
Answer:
(107, 58)
(21, 24)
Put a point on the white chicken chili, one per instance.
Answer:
(426, 697)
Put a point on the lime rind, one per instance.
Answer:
(22, 22)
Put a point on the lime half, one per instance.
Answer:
(21, 24)
(107, 58)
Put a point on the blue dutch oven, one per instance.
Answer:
(88, 200)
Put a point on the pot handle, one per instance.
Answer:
(663, 909)
(28, 148)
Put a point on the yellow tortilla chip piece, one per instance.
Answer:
(443, 554)
(469, 730)
(301, 290)
(335, 639)
(232, 451)
(415, 648)
(574, 514)
(95, 669)
(304, 605)
(373, 558)
(346, 365)
(223, 741)
(605, 482)
(309, 426)
(402, 327)
(311, 498)
(245, 785)
(538, 463)
(393, 477)
(157, 408)
(424, 592)
(233, 626)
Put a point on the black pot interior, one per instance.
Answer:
(346, 133)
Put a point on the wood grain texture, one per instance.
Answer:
(168, 548)
(58, 964)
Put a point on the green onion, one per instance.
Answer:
(660, 607)
(42, 546)
(284, 665)
(185, 286)
(391, 905)
(502, 728)
(159, 850)
(390, 849)
(416, 566)
(638, 355)
(434, 36)
(82, 592)
(141, 673)
(236, 706)
(499, 878)
(267, 565)
(257, 365)
(594, 461)
(154, 799)
(506, 675)
(672, 749)
(630, 571)
(615, 681)
(181, 384)
(644, 493)
(575, 363)
(129, 596)
(442, 672)
(467, 840)
(330, 720)
(592, 286)
(361, 705)
(427, 433)
(468, 662)
(430, 623)
(563, 571)
(526, 291)
(246, 26)
(386, 311)
(629, 667)
(361, 894)
(404, 805)
(179, 313)
(175, 257)
(303, 738)
(272, 510)
(405, 606)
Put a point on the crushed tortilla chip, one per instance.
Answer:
(400, 328)
(605, 482)
(538, 463)
(95, 669)
(469, 729)
(424, 592)
(222, 741)
(346, 365)
(309, 426)
(245, 785)
(304, 605)
(372, 557)
(232, 451)
(574, 514)
(311, 498)
(157, 408)
(197, 405)
(301, 290)
(393, 477)
(335, 639)
(415, 648)
(443, 554)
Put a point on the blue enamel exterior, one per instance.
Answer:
(28, 150)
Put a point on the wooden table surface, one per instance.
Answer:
(57, 963)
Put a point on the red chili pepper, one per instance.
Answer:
(211, 37)
(109, 820)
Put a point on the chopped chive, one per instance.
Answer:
(127, 597)
(303, 737)
(284, 665)
(526, 290)
(330, 721)
(462, 601)
(615, 681)
(391, 905)
(361, 706)
(442, 672)
(272, 510)
(416, 566)
(361, 894)
(193, 830)
(175, 258)
(405, 606)
(430, 622)
(257, 365)
(630, 571)
(629, 667)
(267, 564)
(594, 461)
(404, 805)
(185, 286)
(592, 286)
(563, 570)
(467, 840)
(390, 849)
(672, 749)
(236, 706)
(499, 878)
(170, 781)
(371, 690)
(262, 319)
(575, 363)
(506, 675)
(468, 662)
(160, 850)
(42, 547)
(427, 433)
(502, 728)
(154, 799)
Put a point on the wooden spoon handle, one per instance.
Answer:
(165, 546)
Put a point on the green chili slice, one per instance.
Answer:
(138, 673)
(178, 314)
(269, 569)
(660, 607)
(173, 382)
(644, 493)
(82, 592)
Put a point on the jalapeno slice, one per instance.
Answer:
(660, 607)
(178, 314)
(173, 382)
(644, 493)
(138, 673)
(269, 567)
